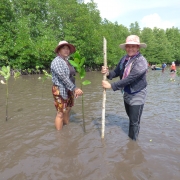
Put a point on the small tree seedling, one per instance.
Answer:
(5, 72)
(78, 63)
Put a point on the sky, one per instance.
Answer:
(148, 13)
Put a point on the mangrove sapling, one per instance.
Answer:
(5, 72)
(37, 70)
(17, 75)
(46, 75)
(78, 63)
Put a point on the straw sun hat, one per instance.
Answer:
(63, 43)
(133, 39)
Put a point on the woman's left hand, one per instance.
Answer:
(106, 84)
(78, 92)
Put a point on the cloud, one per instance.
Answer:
(128, 11)
(154, 20)
(108, 9)
(115, 8)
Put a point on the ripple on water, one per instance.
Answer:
(31, 148)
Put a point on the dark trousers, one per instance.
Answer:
(134, 113)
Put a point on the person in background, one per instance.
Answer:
(163, 67)
(131, 70)
(64, 88)
(153, 67)
(173, 67)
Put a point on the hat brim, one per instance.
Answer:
(141, 45)
(71, 47)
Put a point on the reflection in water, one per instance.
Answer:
(31, 148)
(132, 164)
(173, 75)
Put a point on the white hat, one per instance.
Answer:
(133, 39)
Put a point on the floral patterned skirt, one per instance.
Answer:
(60, 103)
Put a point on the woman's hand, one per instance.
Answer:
(106, 84)
(105, 70)
(78, 92)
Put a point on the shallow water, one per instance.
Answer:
(31, 148)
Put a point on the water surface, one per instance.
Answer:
(31, 148)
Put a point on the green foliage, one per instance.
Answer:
(17, 75)
(178, 72)
(45, 76)
(86, 82)
(78, 63)
(134, 28)
(30, 31)
(173, 36)
(5, 72)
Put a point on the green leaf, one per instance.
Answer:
(8, 69)
(76, 60)
(78, 69)
(16, 75)
(46, 74)
(86, 82)
(2, 73)
(77, 55)
(4, 69)
(7, 77)
(73, 64)
(82, 61)
(82, 73)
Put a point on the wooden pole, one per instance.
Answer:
(104, 90)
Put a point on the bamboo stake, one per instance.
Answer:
(104, 90)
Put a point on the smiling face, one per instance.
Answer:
(131, 49)
(64, 51)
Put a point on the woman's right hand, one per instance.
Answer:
(78, 92)
(105, 70)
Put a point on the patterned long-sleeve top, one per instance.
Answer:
(136, 80)
(61, 76)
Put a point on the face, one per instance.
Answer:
(64, 51)
(131, 49)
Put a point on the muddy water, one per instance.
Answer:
(31, 148)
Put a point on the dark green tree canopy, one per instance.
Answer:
(30, 31)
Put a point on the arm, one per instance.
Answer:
(59, 70)
(114, 73)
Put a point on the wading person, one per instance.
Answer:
(64, 88)
(173, 67)
(131, 70)
(163, 67)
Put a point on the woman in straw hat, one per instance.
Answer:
(131, 70)
(64, 88)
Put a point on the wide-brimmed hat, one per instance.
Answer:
(62, 43)
(133, 39)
